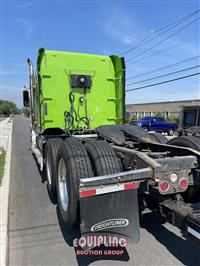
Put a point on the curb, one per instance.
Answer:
(4, 202)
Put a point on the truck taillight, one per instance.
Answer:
(173, 177)
(164, 186)
(183, 183)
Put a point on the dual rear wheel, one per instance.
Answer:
(74, 161)
(51, 150)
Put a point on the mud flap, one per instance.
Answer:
(112, 214)
(110, 210)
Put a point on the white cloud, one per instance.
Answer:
(24, 5)
(127, 40)
(127, 29)
(120, 25)
(11, 73)
(5, 88)
(27, 26)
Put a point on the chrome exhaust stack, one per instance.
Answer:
(30, 83)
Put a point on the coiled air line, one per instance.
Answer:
(69, 116)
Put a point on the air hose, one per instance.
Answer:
(69, 116)
(69, 120)
(83, 118)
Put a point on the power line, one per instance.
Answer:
(145, 40)
(155, 45)
(162, 51)
(163, 82)
(191, 14)
(140, 43)
(161, 68)
(166, 26)
(165, 75)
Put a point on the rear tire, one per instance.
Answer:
(73, 163)
(186, 141)
(51, 150)
(157, 137)
(170, 132)
(192, 194)
(104, 159)
(146, 129)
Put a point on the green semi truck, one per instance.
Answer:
(101, 172)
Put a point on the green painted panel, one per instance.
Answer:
(102, 103)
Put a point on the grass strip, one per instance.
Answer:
(2, 164)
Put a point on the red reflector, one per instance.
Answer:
(131, 186)
(164, 186)
(183, 183)
(87, 193)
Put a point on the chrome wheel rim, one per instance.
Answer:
(62, 185)
(49, 172)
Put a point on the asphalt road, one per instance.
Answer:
(37, 236)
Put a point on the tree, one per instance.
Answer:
(7, 108)
(171, 119)
(133, 117)
(26, 111)
(158, 114)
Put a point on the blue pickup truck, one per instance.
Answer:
(155, 123)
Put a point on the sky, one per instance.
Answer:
(105, 28)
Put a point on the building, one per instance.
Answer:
(167, 109)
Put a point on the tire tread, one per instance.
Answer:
(104, 158)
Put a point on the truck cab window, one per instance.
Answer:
(160, 119)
